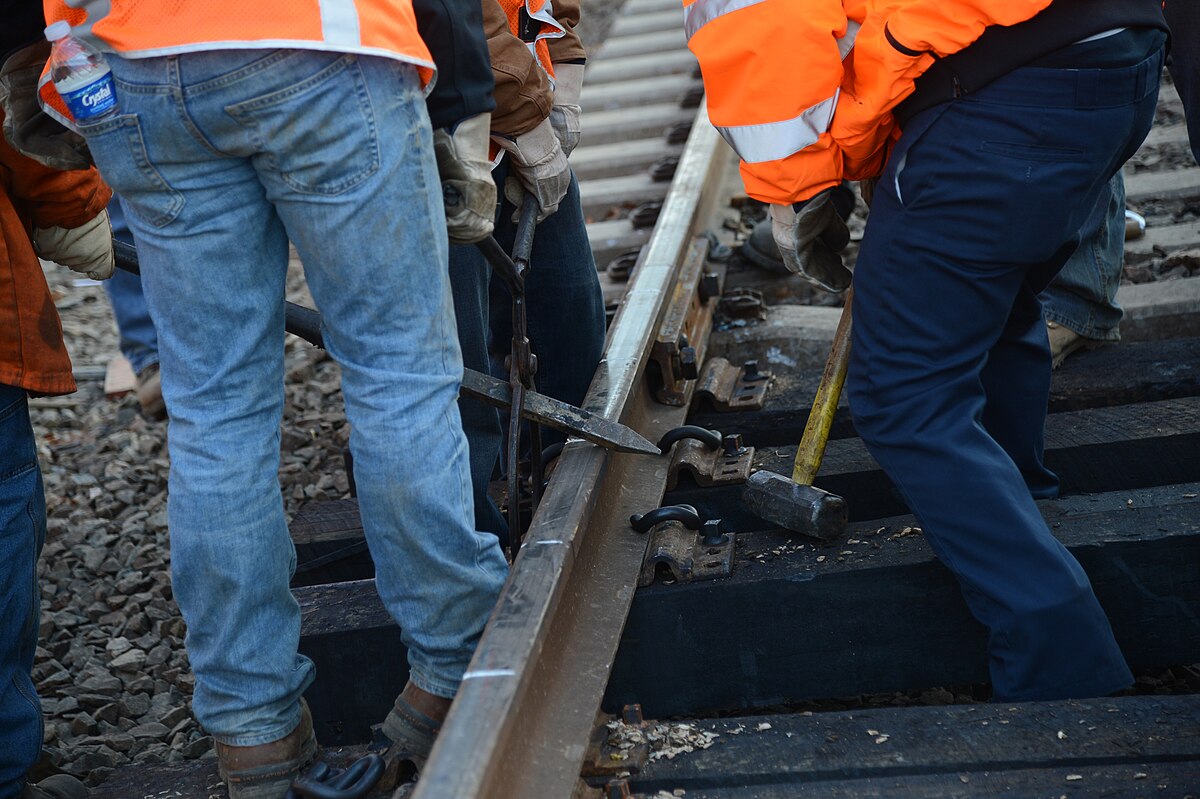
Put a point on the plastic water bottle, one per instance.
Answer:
(81, 75)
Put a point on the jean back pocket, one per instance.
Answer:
(319, 135)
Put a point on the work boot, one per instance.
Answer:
(1064, 341)
(266, 771)
(149, 393)
(413, 724)
(761, 250)
(60, 786)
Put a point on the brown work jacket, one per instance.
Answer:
(32, 353)
(523, 94)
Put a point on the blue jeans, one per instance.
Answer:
(979, 206)
(1083, 296)
(221, 158)
(565, 320)
(22, 531)
(139, 339)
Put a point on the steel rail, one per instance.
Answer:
(522, 719)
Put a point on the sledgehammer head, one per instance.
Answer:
(799, 508)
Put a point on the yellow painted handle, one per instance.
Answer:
(811, 451)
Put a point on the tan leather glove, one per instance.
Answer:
(811, 241)
(538, 164)
(468, 191)
(564, 114)
(86, 249)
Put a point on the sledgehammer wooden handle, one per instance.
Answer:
(811, 451)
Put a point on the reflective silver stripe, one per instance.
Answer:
(773, 141)
(96, 11)
(702, 12)
(543, 15)
(846, 41)
(339, 23)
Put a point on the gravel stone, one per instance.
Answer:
(83, 724)
(102, 684)
(133, 660)
(152, 729)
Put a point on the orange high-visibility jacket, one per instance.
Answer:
(138, 28)
(803, 89)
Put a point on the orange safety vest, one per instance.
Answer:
(140, 29)
(803, 89)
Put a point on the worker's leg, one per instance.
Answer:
(1183, 17)
(22, 530)
(364, 211)
(138, 339)
(469, 277)
(945, 265)
(565, 303)
(1082, 297)
(214, 258)
(1016, 382)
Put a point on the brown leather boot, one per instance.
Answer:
(266, 771)
(149, 394)
(1064, 341)
(413, 725)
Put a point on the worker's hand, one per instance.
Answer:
(86, 249)
(564, 115)
(811, 240)
(468, 191)
(538, 165)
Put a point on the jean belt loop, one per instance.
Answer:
(173, 79)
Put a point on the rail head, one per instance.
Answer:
(502, 737)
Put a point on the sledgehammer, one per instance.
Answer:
(796, 504)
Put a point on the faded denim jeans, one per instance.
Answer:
(138, 338)
(22, 531)
(221, 158)
(1083, 296)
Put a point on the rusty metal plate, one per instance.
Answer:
(679, 345)
(680, 555)
(733, 388)
(727, 465)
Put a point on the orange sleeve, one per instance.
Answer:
(896, 44)
(51, 198)
(766, 65)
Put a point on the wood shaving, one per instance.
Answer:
(665, 740)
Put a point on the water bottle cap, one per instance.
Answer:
(58, 30)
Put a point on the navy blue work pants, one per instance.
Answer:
(978, 208)
(565, 317)
(1183, 17)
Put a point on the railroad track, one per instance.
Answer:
(576, 657)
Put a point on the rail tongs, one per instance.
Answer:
(521, 363)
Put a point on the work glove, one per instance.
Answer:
(811, 240)
(564, 114)
(86, 249)
(29, 130)
(538, 165)
(468, 191)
